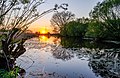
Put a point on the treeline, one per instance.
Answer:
(103, 23)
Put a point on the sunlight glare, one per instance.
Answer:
(43, 31)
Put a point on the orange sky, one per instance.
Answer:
(40, 24)
(39, 28)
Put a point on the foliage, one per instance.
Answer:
(10, 74)
(104, 22)
(108, 12)
(74, 28)
(74, 42)
(95, 29)
(83, 20)
(59, 19)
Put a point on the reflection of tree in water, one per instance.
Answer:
(69, 53)
(76, 42)
(106, 63)
(69, 42)
(33, 43)
(62, 53)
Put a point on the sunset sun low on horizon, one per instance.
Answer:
(43, 31)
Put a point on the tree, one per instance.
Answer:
(83, 20)
(59, 19)
(74, 28)
(95, 30)
(108, 12)
(15, 17)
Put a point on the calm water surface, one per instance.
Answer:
(52, 57)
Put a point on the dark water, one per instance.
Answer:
(70, 58)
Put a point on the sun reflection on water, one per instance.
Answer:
(43, 38)
(49, 39)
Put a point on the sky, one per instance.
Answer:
(80, 8)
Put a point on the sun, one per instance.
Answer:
(43, 31)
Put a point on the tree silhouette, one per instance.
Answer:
(59, 19)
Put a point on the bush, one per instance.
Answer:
(95, 30)
(74, 29)
(10, 74)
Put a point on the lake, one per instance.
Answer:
(54, 57)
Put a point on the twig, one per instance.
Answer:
(7, 61)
